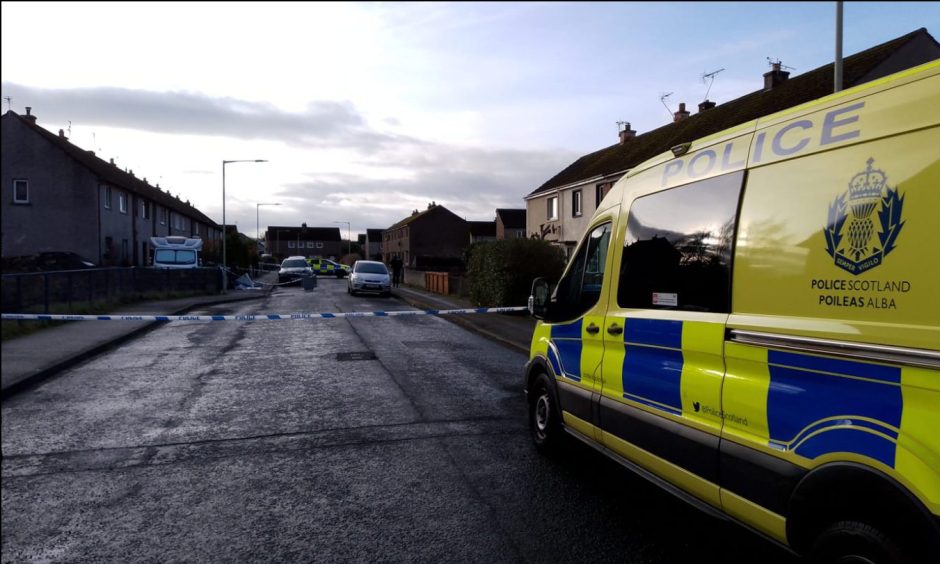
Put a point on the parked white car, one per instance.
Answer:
(369, 276)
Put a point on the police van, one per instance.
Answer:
(752, 321)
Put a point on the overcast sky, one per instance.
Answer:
(368, 111)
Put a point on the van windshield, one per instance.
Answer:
(170, 256)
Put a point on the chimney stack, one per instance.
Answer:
(28, 116)
(706, 105)
(681, 114)
(62, 133)
(626, 133)
(775, 77)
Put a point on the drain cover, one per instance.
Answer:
(365, 355)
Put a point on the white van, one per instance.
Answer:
(176, 251)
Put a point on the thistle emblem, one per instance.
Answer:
(851, 229)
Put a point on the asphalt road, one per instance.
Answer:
(331, 440)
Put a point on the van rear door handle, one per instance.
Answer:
(592, 329)
(615, 329)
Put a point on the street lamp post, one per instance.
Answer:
(224, 234)
(258, 221)
(348, 234)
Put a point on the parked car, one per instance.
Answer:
(369, 276)
(293, 269)
(327, 266)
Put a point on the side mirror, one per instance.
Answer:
(539, 298)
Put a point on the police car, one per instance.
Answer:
(752, 322)
(328, 267)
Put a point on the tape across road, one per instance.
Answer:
(256, 317)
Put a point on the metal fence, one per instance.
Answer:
(68, 289)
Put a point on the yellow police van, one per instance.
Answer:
(752, 321)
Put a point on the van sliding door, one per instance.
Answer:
(660, 406)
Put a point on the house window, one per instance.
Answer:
(319, 244)
(20, 191)
(163, 215)
(144, 209)
(576, 208)
(107, 197)
(310, 244)
(122, 202)
(553, 207)
(290, 244)
(520, 234)
(598, 194)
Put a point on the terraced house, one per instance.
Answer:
(560, 209)
(60, 197)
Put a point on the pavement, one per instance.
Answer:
(30, 359)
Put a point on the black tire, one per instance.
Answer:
(544, 415)
(853, 542)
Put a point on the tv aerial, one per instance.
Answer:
(662, 99)
(778, 64)
(709, 79)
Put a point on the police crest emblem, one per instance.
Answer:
(851, 231)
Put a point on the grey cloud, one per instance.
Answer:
(470, 182)
(333, 124)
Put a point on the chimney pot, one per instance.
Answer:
(31, 118)
(681, 114)
(775, 77)
(28, 109)
(626, 133)
(62, 133)
(112, 161)
(706, 105)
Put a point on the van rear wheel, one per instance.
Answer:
(853, 542)
(544, 415)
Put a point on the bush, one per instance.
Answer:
(501, 272)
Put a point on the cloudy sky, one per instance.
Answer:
(367, 111)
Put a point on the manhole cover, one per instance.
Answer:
(344, 356)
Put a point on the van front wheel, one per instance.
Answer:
(852, 542)
(544, 415)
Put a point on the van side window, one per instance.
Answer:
(580, 288)
(678, 245)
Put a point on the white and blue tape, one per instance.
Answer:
(256, 317)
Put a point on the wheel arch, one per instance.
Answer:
(849, 490)
(536, 366)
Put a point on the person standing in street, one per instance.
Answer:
(397, 267)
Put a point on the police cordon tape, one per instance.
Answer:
(256, 317)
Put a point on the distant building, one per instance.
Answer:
(305, 241)
(435, 236)
(560, 209)
(373, 244)
(481, 231)
(510, 224)
(64, 198)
